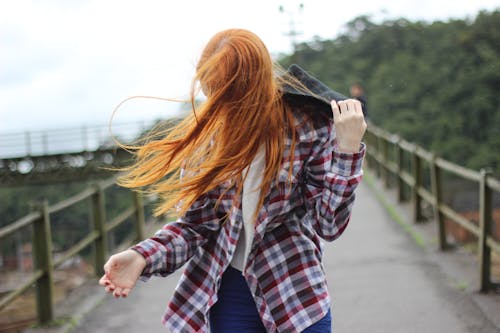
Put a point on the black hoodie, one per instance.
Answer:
(324, 94)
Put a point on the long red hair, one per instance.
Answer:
(243, 111)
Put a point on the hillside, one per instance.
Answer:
(436, 84)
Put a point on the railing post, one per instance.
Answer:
(27, 137)
(85, 138)
(385, 157)
(139, 214)
(45, 143)
(99, 224)
(485, 221)
(417, 172)
(436, 191)
(373, 151)
(42, 254)
(399, 163)
(366, 139)
(378, 154)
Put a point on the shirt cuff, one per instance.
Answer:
(348, 164)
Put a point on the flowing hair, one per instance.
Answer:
(244, 110)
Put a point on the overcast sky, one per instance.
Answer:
(68, 63)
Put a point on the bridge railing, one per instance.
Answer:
(420, 172)
(44, 263)
(72, 139)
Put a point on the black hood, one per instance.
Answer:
(324, 94)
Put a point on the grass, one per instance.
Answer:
(462, 285)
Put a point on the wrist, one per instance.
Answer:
(138, 258)
(348, 149)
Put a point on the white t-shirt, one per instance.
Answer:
(250, 199)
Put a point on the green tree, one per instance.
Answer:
(434, 83)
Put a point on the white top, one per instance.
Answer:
(250, 199)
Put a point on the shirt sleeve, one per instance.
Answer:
(330, 180)
(173, 245)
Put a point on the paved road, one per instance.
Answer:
(380, 281)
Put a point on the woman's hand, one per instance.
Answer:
(349, 123)
(121, 272)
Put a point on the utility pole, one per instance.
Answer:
(292, 33)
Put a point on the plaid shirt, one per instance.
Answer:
(283, 270)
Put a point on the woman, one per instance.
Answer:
(265, 175)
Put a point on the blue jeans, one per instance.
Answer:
(235, 311)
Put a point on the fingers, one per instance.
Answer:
(104, 281)
(349, 108)
(349, 105)
(344, 107)
(107, 284)
(111, 288)
(117, 291)
(335, 110)
(358, 107)
(125, 292)
(121, 292)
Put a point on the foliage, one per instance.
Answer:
(436, 84)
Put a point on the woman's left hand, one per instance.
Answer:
(350, 125)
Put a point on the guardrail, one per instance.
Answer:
(58, 168)
(42, 277)
(68, 140)
(393, 157)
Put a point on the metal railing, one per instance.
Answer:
(394, 158)
(44, 264)
(67, 140)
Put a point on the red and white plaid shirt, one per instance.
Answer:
(283, 270)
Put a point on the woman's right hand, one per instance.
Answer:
(121, 272)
